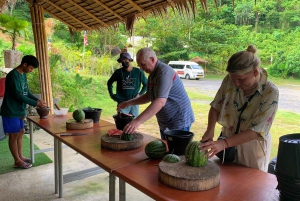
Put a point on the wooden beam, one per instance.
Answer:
(40, 41)
(110, 10)
(172, 3)
(61, 20)
(135, 5)
(66, 13)
(88, 13)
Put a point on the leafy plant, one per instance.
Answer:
(74, 90)
(13, 27)
(26, 49)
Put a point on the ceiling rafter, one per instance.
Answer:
(98, 14)
(108, 9)
(172, 3)
(62, 10)
(88, 13)
(75, 29)
(135, 5)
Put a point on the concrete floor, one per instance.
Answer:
(37, 183)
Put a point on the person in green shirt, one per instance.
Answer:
(129, 80)
(13, 108)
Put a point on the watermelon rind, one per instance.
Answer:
(78, 115)
(155, 149)
(127, 137)
(193, 156)
(171, 158)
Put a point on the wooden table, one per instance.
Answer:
(90, 147)
(237, 183)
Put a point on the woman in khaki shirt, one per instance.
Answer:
(250, 131)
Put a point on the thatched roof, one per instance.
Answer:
(96, 14)
(199, 60)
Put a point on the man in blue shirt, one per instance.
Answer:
(169, 100)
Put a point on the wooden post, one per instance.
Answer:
(40, 40)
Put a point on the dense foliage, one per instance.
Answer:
(271, 25)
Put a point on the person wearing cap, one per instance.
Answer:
(131, 83)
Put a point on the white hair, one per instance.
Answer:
(146, 53)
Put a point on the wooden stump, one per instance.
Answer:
(185, 177)
(73, 125)
(116, 144)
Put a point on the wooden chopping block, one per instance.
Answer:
(73, 125)
(185, 177)
(116, 144)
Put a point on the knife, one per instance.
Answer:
(73, 134)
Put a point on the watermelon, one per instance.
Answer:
(155, 149)
(171, 158)
(79, 115)
(114, 131)
(127, 137)
(193, 156)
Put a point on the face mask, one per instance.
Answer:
(125, 64)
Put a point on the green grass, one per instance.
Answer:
(284, 123)
(7, 161)
(196, 96)
(277, 81)
(211, 76)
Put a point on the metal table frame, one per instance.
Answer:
(58, 161)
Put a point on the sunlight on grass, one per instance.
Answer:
(284, 123)
(275, 80)
(194, 95)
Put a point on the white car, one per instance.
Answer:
(187, 69)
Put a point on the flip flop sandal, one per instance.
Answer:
(27, 160)
(24, 166)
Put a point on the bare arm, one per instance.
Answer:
(149, 112)
(216, 146)
(213, 116)
(136, 101)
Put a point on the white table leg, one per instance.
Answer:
(112, 187)
(31, 141)
(56, 165)
(60, 169)
(122, 190)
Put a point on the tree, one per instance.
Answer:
(13, 27)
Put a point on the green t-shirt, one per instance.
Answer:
(128, 84)
(17, 95)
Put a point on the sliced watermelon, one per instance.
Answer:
(114, 131)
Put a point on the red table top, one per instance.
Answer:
(57, 124)
(237, 183)
(90, 145)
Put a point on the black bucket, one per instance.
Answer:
(122, 120)
(288, 160)
(93, 113)
(287, 168)
(177, 140)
